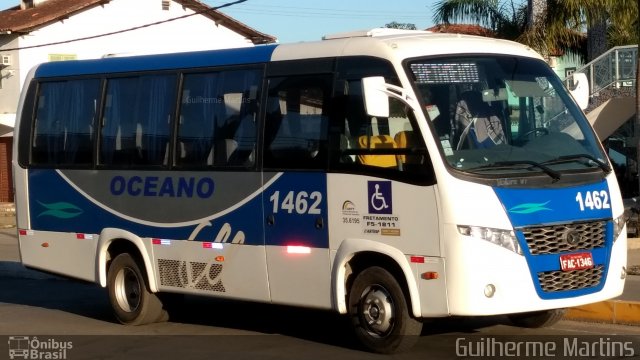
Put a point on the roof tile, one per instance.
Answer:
(467, 29)
(23, 21)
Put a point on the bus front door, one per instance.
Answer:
(296, 239)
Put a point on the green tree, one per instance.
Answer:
(608, 23)
(623, 27)
(512, 21)
(584, 15)
(506, 20)
(403, 26)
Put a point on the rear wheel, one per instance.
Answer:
(538, 319)
(129, 295)
(379, 312)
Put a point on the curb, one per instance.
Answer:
(611, 312)
(623, 312)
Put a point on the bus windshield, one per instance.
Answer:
(505, 115)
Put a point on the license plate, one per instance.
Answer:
(578, 261)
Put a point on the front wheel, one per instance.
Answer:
(379, 312)
(130, 298)
(538, 319)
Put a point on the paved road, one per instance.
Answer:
(51, 310)
(9, 245)
(60, 311)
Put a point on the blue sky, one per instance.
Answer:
(292, 21)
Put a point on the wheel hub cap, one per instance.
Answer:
(377, 310)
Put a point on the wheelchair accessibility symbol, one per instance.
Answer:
(380, 200)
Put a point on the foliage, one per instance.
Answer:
(561, 26)
(403, 26)
(507, 20)
(623, 25)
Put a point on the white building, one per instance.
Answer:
(37, 31)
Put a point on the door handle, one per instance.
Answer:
(271, 220)
(319, 222)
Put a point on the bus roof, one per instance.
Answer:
(400, 45)
(248, 55)
(386, 44)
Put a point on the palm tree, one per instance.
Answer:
(513, 21)
(623, 27)
(507, 21)
(589, 15)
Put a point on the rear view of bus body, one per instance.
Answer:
(390, 176)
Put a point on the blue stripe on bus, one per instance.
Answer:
(540, 207)
(55, 205)
(249, 55)
(528, 207)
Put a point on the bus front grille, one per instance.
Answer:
(554, 281)
(565, 237)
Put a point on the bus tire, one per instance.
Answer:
(129, 295)
(379, 313)
(537, 319)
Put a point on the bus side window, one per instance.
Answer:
(377, 142)
(217, 119)
(64, 123)
(377, 146)
(237, 139)
(412, 154)
(297, 124)
(197, 120)
(137, 120)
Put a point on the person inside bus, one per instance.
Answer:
(477, 123)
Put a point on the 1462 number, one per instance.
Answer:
(301, 202)
(593, 200)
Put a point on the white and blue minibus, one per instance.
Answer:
(390, 176)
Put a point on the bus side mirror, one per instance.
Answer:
(376, 101)
(580, 89)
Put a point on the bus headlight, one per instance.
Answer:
(618, 226)
(505, 238)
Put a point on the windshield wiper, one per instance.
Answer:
(566, 158)
(506, 164)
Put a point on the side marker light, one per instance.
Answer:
(429, 275)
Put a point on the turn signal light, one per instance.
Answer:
(429, 275)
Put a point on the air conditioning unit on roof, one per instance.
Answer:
(6, 60)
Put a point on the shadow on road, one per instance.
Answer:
(32, 288)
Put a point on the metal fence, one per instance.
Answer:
(616, 68)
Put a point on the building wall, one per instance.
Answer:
(193, 33)
(6, 180)
(566, 64)
(10, 79)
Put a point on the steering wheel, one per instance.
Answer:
(541, 130)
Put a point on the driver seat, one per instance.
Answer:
(480, 126)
